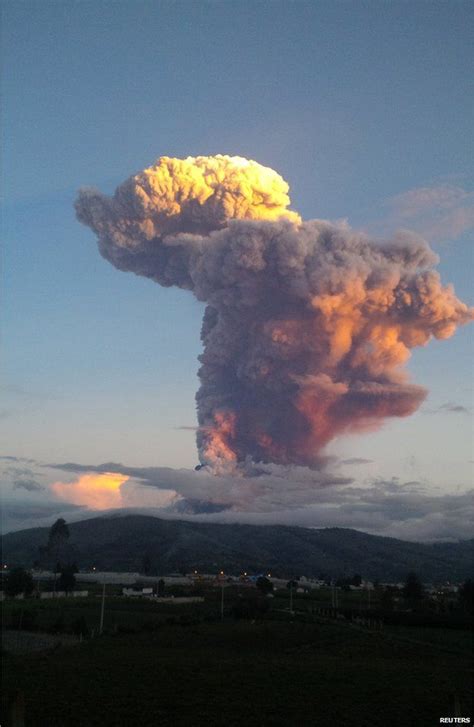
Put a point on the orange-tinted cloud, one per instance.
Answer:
(308, 325)
(95, 491)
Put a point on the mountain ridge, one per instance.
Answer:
(123, 542)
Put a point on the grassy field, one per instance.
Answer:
(64, 614)
(184, 670)
(74, 614)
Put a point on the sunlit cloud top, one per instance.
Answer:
(95, 491)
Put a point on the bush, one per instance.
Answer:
(264, 585)
(18, 581)
(26, 620)
(67, 579)
(80, 626)
(252, 606)
(58, 625)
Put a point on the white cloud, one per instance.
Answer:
(304, 497)
(270, 495)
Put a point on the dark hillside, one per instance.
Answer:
(121, 542)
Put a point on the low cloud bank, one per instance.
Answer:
(406, 509)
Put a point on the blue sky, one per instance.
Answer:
(358, 105)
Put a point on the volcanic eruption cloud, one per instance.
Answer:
(307, 325)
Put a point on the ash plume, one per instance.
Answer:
(308, 324)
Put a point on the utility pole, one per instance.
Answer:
(222, 601)
(102, 608)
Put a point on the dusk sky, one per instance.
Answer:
(365, 109)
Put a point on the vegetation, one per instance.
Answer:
(466, 597)
(18, 581)
(264, 585)
(67, 579)
(261, 665)
(393, 655)
(238, 672)
(251, 605)
(413, 589)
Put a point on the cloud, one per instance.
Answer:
(385, 509)
(19, 515)
(95, 491)
(439, 213)
(265, 494)
(307, 325)
(455, 408)
(191, 506)
(9, 458)
(405, 508)
(258, 487)
(103, 490)
(357, 460)
(19, 471)
(28, 484)
(449, 407)
(299, 496)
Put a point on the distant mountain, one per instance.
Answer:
(121, 543)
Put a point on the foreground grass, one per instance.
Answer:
(62, 614)
(239, 673)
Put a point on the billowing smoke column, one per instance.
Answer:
(307, 324)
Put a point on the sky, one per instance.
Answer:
(364, 108)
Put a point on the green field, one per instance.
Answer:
(63, 614)
(181, 668)
(69, 614)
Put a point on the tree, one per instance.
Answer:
(18, 581)
(58, 533)
(57, 540)
(386, 600)
(356, 580)
(413, 588)
(146, 564)
(343, 583)
(80, 627)
(43, 556)
(161, 587)
(466, 596)
(292, 584)
(264, 585)
(67, 580)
